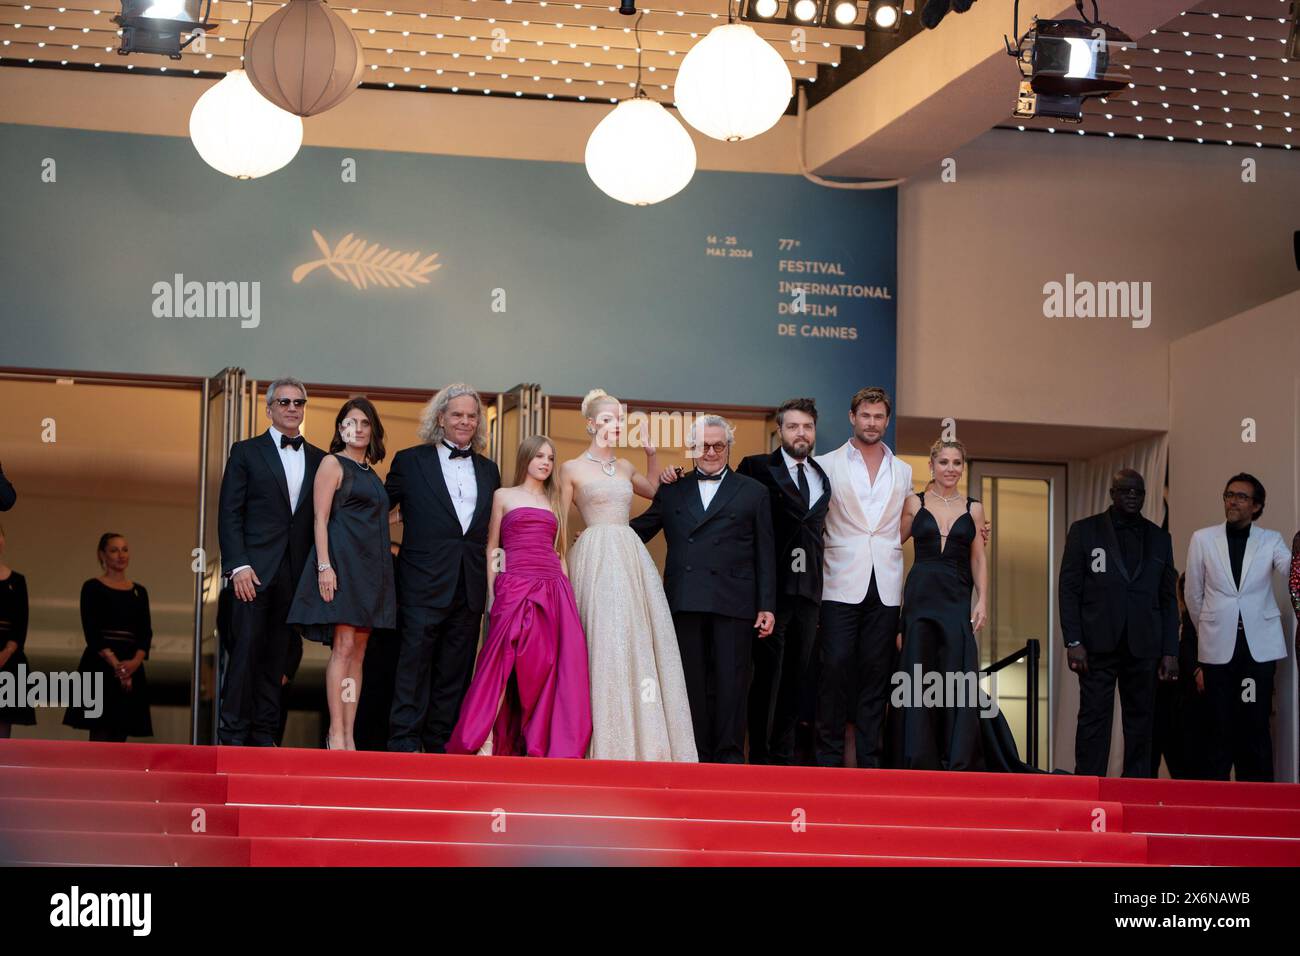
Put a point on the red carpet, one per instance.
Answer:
(141, 804)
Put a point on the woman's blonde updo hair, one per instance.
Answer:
(942, 443)
(594, 399)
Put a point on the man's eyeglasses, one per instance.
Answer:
(286, 402)
(716, 447)
(1238, 496)
(1128, 492)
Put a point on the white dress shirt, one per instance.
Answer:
(295, 465)
(710, 488)
(873, 496)
(458, 473)
(815, 488)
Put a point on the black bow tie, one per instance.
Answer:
(459, 452)
(286, 441)
(703, 477)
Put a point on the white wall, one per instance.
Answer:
(1247, 366)
(1027, 208)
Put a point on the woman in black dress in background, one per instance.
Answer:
(13, 635)
(115, 620)
(938, 631)
(346, 589)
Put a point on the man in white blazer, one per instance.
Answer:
(1229, 593)
(862, 569)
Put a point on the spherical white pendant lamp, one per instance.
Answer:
(640, 154)
(240, 133)
(304, 58)
(733, 85)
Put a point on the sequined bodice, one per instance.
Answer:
(604, 500)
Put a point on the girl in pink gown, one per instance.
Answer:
(530, 694)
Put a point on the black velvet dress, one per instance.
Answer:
(945, 722)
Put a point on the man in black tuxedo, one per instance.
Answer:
(7, 494)
(799, 492)
(1119, 617)
(720, 582)
(444, 489)
(265, 531)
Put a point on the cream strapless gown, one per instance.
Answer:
(639, 709)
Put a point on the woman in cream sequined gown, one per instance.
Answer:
(639, 708)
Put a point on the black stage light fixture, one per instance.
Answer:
(762, 11)
(627, 8)
(156, 26)
(882, 15)
(806, 13)
(1064, 62)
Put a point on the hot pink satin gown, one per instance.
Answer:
(530, 689)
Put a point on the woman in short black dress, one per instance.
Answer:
(115, 620)
(346, 589)
(13, 635)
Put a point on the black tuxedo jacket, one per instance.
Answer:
(1099, 607)
(255, 525)
(720, 561)
(795, 527)
(435, 551)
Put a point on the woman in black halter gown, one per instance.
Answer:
(943, 720)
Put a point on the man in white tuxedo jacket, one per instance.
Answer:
(862, 569)
(1229, 593)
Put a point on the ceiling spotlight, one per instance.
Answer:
(883, 15)
(156, 26)
(1062, 63)
(804, 11)
(760, 10)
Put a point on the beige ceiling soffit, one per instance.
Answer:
(450, 124)
(943, 88)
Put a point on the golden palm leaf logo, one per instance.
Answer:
(361, 263)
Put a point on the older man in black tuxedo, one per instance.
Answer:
(1119, 618)
(799, 491)
(720, 580)
(265, 530)
(444, 489)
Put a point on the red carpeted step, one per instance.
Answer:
(72, 784)
(619, 773)
(288, 851)
(113, 816)
(554, 830)
(1223, 851)
(1228, 821)
(1201, 793)
(975, 812)
(66, 848)
(86, 755)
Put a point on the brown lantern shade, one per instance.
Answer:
(303, 58)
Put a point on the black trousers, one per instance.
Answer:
(855, 651)
(256, 655)
(780, 672)
(434, 668)
(1238, 729)
(1136, 677)
(715, 652)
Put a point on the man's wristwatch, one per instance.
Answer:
(322, 567)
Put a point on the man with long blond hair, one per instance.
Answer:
(444, 489)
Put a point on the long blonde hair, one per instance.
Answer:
(528, 449)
